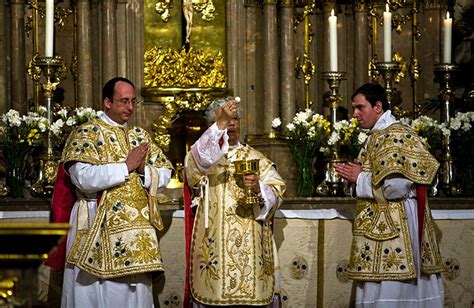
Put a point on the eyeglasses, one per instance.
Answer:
(126, 101)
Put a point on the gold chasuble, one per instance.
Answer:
(232, 261)
(382, 245)
(121, 240)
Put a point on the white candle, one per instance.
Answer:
(448, 26)
(333, 42)
(49, 32)
(387, 35)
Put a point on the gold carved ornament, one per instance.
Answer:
(183, 81)
(205, 7)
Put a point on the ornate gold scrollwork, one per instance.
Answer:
(175, 100)
(171, 68)
(306, 67)
(33, 70)
(181, 81)
(397, 58)
(414, 69)
(373, 72)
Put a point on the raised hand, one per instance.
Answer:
(226, 112)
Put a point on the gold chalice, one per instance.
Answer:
(243, 167)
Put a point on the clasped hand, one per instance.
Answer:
(136, 159)
(349, 171)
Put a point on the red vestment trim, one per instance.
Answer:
(188, 231)
(421, 201)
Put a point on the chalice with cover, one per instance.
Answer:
(244, 167)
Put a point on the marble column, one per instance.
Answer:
(253, 112)
(84, 54)
(361, 45)
(287, 73)
(109, 40)
(270, 64)
(235, 39)
(17, 53)
(135, 44)
(122, 38)
(4, 94)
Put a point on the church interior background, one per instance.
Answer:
(281, 57)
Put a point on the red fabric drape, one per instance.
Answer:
(421, 196)
(188, 230)
(64, 196)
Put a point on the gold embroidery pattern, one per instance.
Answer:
(392, 259)
(209, 261)
(232, 261)
(145, 248)
(398, 149)
(381, 247)
(121, 240)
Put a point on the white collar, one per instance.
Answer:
(108, 120)
(384, 121)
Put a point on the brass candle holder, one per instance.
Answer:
(388, 70)
(53, 69)
(244, 167)
(333, 184)
(445, 74)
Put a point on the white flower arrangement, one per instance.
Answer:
(23, 129)
(33, 127)
(306, 126)
(346, 138)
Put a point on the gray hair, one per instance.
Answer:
(219, 102)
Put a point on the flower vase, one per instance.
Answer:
(303, 154)
(15, 176)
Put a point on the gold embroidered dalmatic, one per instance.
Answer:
(232, 262)
(382, 246)
(122, 240)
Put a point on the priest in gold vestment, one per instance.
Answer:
(117, 170)
(394, 254)
(232, 253)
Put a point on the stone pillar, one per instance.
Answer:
(135, 49)
(122, 38)
(84, 78)
(287, 73)
(109, 40)
(270, 64)
(235, 21)
(361, 51)
(17, 52)
(4, 93)
(253, 112)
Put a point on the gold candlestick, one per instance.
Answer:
(445, 73)
(244, 167)
(53, 69)
(333, 184)
(388, 70)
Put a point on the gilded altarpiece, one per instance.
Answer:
(184, 68)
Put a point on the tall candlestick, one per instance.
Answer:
(333, 42)
(49, 32)
(387, 35)
(448, 26)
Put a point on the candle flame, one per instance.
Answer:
(386, 7)
(447, 15)
(332, 12)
